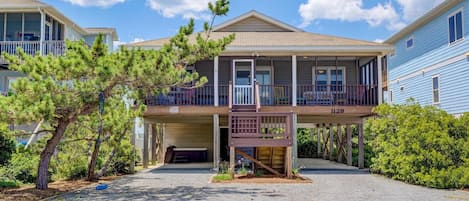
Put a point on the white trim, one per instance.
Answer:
(430, 68)
(439, 90)
(252, 75)
(5, 27)
(328, 69)
(260, 16)
(379, 61)
(294, 80)
(453, 14)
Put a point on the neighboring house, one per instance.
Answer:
(272, 79)
(430, 62)
(38, 28)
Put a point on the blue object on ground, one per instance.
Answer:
(101, 187)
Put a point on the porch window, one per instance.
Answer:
(455, 27)
(436, 89)
(329, 78)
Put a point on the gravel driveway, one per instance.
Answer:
(159, 184)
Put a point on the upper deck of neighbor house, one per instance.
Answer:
(39, 28)
(280, 68)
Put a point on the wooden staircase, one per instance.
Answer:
(273, 157)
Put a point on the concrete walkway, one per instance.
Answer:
(176, 184)
(320, 164)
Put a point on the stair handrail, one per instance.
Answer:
(257, 95)
(230, 95)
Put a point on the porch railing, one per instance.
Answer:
(350, 94)
(190, 96)
(270, 95)
(260, 129)
(33, 47)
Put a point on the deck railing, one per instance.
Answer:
(270, 95)
(350, 94)
(33, 47)
(260, 129)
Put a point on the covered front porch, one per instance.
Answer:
(282, 81)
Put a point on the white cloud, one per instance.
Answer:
(186, 8)
(378, 40)
(377, 15)
(412, 9)
(99, 3)
(350, 11)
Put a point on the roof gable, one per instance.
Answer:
(254, 22)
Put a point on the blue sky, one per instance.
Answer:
(137, 20)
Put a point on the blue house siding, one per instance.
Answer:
(454, 92)
(428, 38)
(412, 69)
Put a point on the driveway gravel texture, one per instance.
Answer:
(193, 184)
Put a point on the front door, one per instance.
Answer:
(264, 78)
(243, 85)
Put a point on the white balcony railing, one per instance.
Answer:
(33, 47)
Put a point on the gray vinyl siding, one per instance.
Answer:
(253, 24)
(185, 135)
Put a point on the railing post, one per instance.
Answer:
(380, 79)
(230, 95)
(257, 95)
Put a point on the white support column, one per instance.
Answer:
(43, 31)
(294, 79)
(216, 141)
(380, 79)
(215, 82)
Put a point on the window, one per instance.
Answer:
(409, 43)
(436, 89)
(455, 27)
(390, 97)
(329, 78)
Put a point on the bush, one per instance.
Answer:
(307, 147)
(22, 166)
(420, 145)
(7, 146)
(8, 183)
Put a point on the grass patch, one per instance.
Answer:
(7, 183)
(222, 177)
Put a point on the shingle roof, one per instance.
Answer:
(21, 4)
(272, 39)
(104, 30)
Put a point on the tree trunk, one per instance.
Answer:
(92, 163)
(43, 169)
(103, 169)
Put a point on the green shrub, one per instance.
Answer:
(420, 145)
(222, 177)
(9, 183)
(307, 147)
(7, 146)
(22, 166)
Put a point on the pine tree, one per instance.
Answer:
(61, 89)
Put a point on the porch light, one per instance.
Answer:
(467, 54)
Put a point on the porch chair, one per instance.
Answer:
(280, 97)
